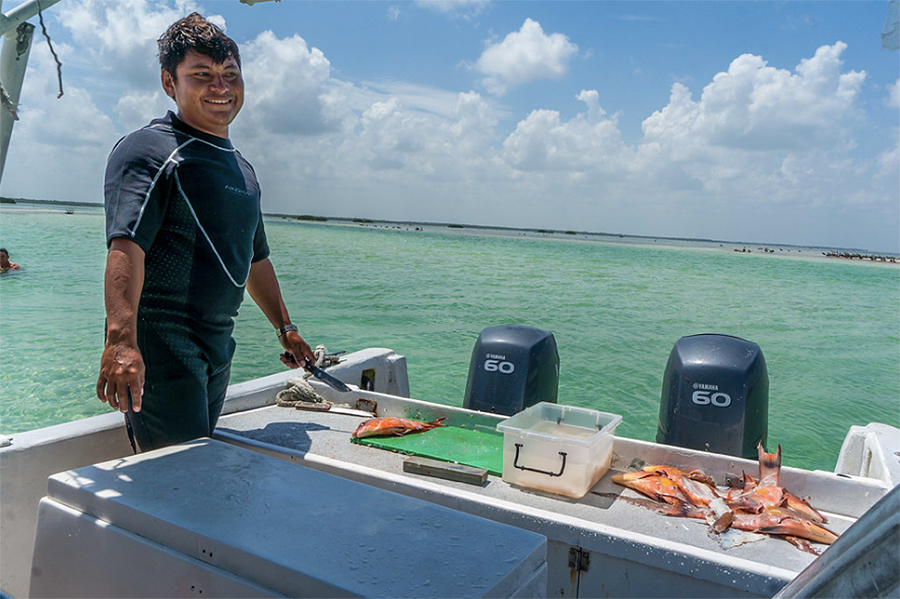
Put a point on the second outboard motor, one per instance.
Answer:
(513, 367)
(715, 396)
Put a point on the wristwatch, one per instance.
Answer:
(281, 331)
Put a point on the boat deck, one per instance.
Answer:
(598, 546)
(601, 519)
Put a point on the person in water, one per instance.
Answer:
(185, 238)
(5, 264)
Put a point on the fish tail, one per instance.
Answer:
(769, 465)
(802, 528)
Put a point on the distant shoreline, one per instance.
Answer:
(736, 246)
(647, 240)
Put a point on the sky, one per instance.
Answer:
(759, 122)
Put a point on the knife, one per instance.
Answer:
(318, 373)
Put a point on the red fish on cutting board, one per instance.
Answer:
(390, 426)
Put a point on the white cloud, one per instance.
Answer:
(136, 108)
(286, 88)
(59, 146)
(889, 163)
(894, 95)
(760, 138)
(523, 56)
(588, 143)
(120, 35)
(417, 97)
(474, 127)
(753, 106)
(465, 8)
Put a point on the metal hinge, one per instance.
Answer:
(579, 559)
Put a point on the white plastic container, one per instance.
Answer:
(558, 449)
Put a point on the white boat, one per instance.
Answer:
(111, 526)
(281, 503)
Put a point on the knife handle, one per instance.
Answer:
(289, 359)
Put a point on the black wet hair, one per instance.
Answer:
(194, 32)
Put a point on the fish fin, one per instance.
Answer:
(698, 492)
(648, 492)
(689, 510)
(678, 508)
(723, 522)
(801, 507)
(801, 544)
(702, 477)
(747, 481)
(626, 477)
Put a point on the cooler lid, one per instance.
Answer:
(299, 531)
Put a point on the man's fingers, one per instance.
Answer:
(288, 360)
(109, 395)
(123, 393)
(121, 379)
(136, 395)
(119, 396)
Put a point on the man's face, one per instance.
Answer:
(208, 94)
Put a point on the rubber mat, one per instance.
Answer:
(479, 449)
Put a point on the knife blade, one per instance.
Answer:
(318, 373)
(327, 378)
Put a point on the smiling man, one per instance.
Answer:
(185, 235)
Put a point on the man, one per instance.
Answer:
(5, 264)
(186, 237)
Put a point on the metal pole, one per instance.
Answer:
(22, 13)
(17, 35)
(13, 60)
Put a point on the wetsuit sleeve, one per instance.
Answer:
(260, 242)
(136, 190)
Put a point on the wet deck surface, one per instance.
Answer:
(327, 435)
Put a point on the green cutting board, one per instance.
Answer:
(479, 449)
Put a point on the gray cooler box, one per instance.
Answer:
(208, 519)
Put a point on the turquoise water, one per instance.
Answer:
(829, 329)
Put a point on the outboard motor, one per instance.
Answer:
(513, 367)
(715, 396)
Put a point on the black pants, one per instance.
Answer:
(184, 387)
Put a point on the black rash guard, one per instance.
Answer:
(192, 203)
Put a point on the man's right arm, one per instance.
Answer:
(121, 366)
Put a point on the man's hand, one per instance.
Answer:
(121, 375)
(297, 349)
(121, 365)
(262, 285)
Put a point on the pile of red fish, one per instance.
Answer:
(762, 505)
